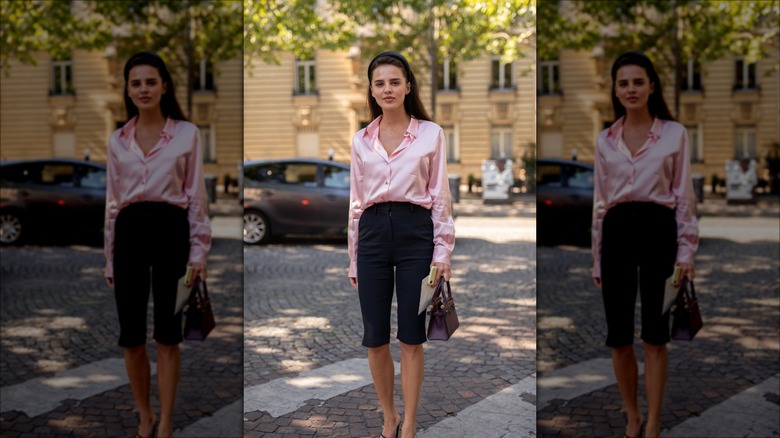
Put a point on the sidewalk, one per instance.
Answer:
(227, 204)
(524, 205)
(716, 205)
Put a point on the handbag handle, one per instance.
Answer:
(683, 294)
(439, 291)
(196, 288)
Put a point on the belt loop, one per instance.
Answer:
(375, 210)
(411, 207)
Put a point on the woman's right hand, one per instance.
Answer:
(110, 282)
(597, 282)
(353, 282)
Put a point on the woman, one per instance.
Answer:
(400, 224)
(643, 219)
(156, 226)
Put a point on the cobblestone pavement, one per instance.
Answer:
(58, 314)
(737, 276)
(301, 314)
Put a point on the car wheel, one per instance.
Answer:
(257, 229)
(10, 228)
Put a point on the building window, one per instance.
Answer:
(208, 146)
(744, 75)
(447, 75)
(691, 76)
(549, 81)
(61, 77)
(204, 76)
(501, 142)
(305, 77)
(695, 143)
(501, 75)
(453, 151)
(745, 143)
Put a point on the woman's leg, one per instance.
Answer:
(139, 374)
(383, 374)
(656, 364)
(412, 362)
(168, 369)
(627, 375)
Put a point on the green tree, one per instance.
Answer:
(55, 27)
(296, 26)
(463, 29)
(212, 29)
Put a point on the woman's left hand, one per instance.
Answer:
(443, 269)
(198, 270)
(686, 270)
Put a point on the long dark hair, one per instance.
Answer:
(168, 103)
(655, 102)
(412, 103)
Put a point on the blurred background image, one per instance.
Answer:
(305, 97)
(61, 94)
(718, 62)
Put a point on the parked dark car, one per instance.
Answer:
(294, 196)
(51, 198)
(564, 201)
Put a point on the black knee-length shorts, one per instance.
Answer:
(151, 248)
(395, 249)
(639, 247)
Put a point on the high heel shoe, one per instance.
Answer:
(397, 429)
(641, 431)
(154, 425)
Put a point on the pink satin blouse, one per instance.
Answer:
(172, 172)
(415, 172)
(660, 172)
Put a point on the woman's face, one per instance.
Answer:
(389, 87)
(633, 87)
(145, 87)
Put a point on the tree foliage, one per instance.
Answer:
(706, 30)
(295, 26)
(59, 27)
(464, 29)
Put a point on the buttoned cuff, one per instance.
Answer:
(596, 271)
(352, 269)
(441, 254)
(685, 254)
(198, 254)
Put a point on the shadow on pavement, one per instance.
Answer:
(737, 287)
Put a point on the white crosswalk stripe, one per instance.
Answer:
(747, 414)
(285, 395)
(575, 380)
(43, 394)
(226, 422)
(504, 414)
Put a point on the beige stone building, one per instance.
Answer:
(307, 108)
(66, 108)
(730, 108)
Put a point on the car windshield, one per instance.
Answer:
(580, 177)
(93, 177)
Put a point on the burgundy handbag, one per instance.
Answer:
(444, 319)
(200, 318)
(687, 317)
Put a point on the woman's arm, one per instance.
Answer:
(197, 209)
(599, 210)
(441, 209)
(112, 210)
(356, 203)
(685, 209)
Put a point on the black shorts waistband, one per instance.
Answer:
(397, 207)
(153, 209)
(641, 208)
